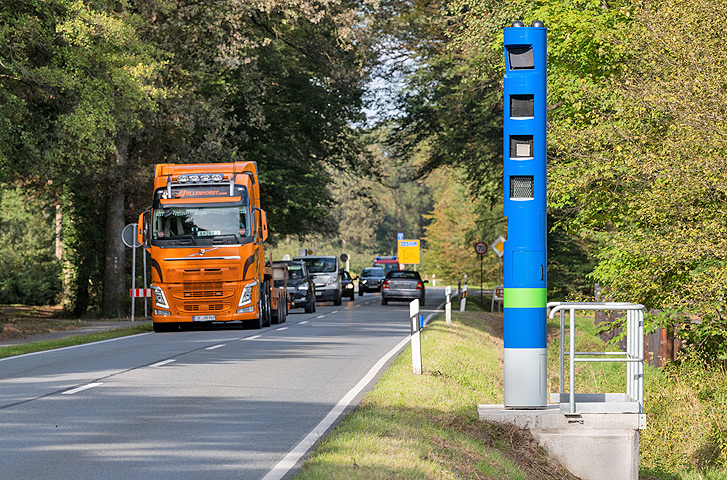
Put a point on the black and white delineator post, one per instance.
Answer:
(524, 198)
(416, 341)
(448, 305)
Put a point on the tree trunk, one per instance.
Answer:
(114, 292)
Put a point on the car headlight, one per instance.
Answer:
(331, 281)
(303, 286)
(349, 286)
(159, 297)
(364, 281)
(246, 296)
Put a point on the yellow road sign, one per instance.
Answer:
(499, 246)
(409, 251)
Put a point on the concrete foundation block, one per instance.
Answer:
(593, 446)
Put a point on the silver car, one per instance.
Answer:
(404, 285)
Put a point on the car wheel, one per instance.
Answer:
(360, 292)
(310, 307)
(384, 301)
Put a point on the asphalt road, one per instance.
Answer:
(213, 404)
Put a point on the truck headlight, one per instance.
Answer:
(246, 296)
(159, 297)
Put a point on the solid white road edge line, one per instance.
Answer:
(80, 389)
(74, 346)
(159, 364)
(289, 461)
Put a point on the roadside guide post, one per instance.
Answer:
(463, 303)
(416, 341)
(481, 249)
(130, 239)
(448, 305)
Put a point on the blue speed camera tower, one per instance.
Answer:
(524, 206)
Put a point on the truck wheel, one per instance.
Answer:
(337, 300)
(257, 322)
(268, 307)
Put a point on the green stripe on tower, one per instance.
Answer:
(525, 298)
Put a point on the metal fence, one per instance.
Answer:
(633, 356)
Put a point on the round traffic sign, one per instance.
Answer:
(129, 235)
(481, 248)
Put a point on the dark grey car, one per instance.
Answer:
(404, 285)
(300, 286)
(371, 280)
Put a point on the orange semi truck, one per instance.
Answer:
(205, 232)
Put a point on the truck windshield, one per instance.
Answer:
(201, 222)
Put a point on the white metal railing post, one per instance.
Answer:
(562, 351)
(572, 363)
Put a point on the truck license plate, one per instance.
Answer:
(203, 318)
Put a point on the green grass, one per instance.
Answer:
(412, 426)
(72, 340)
(426, 426)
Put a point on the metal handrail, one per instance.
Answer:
(634, 355)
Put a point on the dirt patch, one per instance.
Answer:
(21, 321)
(517, 445)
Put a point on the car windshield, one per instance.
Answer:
(321, 265)
(201, 222)
(407, 275)
(372, 272)
(388, 266)
(295, 272)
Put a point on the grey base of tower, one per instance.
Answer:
(526, 378)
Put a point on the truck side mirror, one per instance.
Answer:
(140, 229)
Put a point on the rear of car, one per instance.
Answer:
(402, 285)
(371, 280)
(326, 273)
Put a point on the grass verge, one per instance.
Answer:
(426, 426)
(73, 340)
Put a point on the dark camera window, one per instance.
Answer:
(521, 58)
(522, 106)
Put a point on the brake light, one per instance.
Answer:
(420, 285)
(386, 284)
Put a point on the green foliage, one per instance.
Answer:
(687, 415)
(29, 271)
